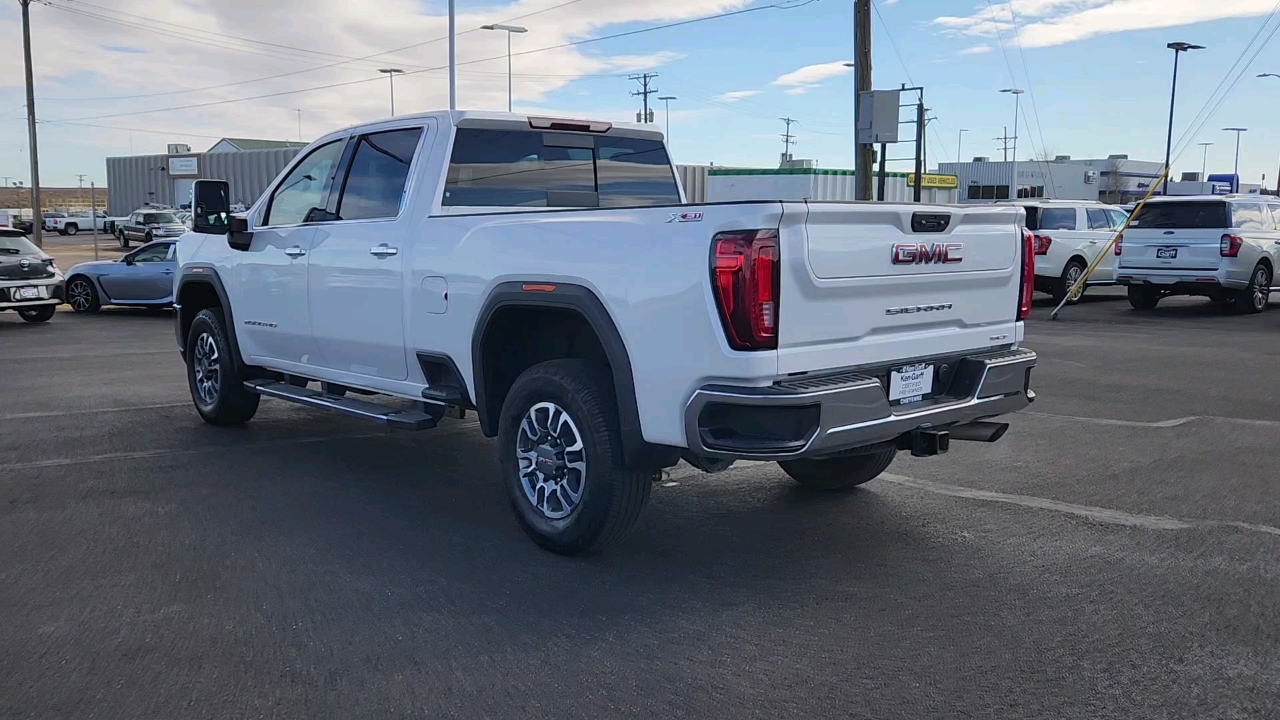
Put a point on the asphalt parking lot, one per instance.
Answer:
(1117, 555)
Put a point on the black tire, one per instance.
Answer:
(148, 237)
(38, 315)
(1073, 271)
(839, 473)
(72, 229)
(217, 388)
(1143, 297)
(82, 295)
(610, 496)
(1257, 296)
(124, 241)
(62, 231)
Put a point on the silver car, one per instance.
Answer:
(143, 278)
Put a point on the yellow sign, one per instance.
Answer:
(934, 181)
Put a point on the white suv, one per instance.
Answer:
(1223, 247)
(1069, 235)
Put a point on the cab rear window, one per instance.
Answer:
(1203, 215)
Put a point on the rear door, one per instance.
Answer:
(864, 284)
(1176, 235)
(356, 271)
(1101, 228)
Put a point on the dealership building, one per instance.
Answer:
(1115, 178)
(248, 165)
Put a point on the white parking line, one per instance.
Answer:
(1158, 424)
(141, 454)
(88, 356)
(90, 411)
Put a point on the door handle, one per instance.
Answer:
(295, 252)
(383, 251)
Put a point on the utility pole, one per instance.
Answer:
(863, 156)
(919, 189)
(1004, 140)
(93, 217)
(644, 92)
(37, 220)
(960, 143)
(453, 63)
(787, 140)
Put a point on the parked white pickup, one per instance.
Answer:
(548, 275)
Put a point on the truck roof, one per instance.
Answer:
(498, 120)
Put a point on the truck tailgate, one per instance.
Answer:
(874, 283)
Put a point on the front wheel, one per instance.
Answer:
(562, 463)
(839, 473)
(1071, 275)
(82, 296)
(1143, 297)
(1256, 297)
(216, 385)
(37, 315)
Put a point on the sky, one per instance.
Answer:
(120, 77)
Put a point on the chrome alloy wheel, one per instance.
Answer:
(1074, 272)
(206, 369)
(553, 460)
(80, 295)
(1261, 287)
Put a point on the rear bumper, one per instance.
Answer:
(1182, 281)
(51, 293)
(828, 415)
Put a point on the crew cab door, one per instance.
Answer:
(270, 288)
(356, 271)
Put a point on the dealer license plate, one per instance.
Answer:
(26, 293)
(1166, 253)
(910, 383)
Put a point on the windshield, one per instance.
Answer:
(17, 245)
(157, 218)
(1202, 215)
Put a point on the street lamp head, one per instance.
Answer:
(508, 28)
(1013, 91)
(849, 64)
(1183, 47)
(668, 97)
(390, 71)
(1235, 129)
(1268, 75)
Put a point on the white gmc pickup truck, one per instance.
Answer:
(548, 275)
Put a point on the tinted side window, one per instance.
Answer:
(153, 253)
(303, 189)
(512, 168)
(1057, 218)
(1205, 215)
(632, 172)
(1246, 216)
(1098, 219)
(1118, 218)
(379, 169)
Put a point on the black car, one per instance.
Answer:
(30, 282)
(143, 226)
(24, 226)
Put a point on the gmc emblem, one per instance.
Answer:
(927, 253)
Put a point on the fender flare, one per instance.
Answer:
(568, 296)
(203, 274)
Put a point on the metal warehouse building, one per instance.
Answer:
(249, 165)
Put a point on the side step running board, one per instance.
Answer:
(403, 419)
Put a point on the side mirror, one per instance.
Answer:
(211, 200)
(239, 236)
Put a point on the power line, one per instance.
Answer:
(777, 6)
(1026, 72)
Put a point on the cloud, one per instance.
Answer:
(812, 75)
(736, 95)
(1046, 23)
(246, 87)
(976, 50)
(800, 90)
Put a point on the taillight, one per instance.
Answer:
(745, 274)
(1027, 288)
(1119, 239)
(1229, 246)
(1041, 244)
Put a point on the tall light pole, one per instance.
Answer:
(1204, 161)
(37, 220)
(960, 143)
(666, 101)
(453, 64)
(1017, 105)
(1236, 171)
(391, 76)
(299, 111)
(1178, 48)
(1273, 75)
(509, 29)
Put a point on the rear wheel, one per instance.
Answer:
(1071, 274)
(82, 296)
(217, 387)
(1256, 297)
(839, 473)
(123, 239)
(1143, 297)
(562, 463)
(37, 315)
(72, 229)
